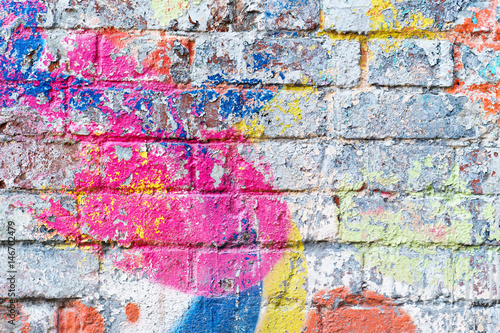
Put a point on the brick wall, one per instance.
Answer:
(249, 165)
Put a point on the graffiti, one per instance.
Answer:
(212, 178)
(77, 317)
(340, 311)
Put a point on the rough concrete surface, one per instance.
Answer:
(300, 166)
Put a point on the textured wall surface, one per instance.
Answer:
(249, 166)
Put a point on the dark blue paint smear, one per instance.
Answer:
(219, 79)
(262, 60)
(24, 47)
(232, 102)
(229, 314)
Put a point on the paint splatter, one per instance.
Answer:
(132, 312)
(340, 311)
(134, 194)
(76, 317)
(13, 317)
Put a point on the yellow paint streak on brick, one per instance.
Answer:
(253, 129)
(159, 220)
(66, 246)
(421, 21)
(378, 16)
(140, 231)
(284, 287)
(278, 105)
(144, 155)
(383, 16)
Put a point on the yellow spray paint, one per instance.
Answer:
(278, 105)
(253, 129)
(284, 289)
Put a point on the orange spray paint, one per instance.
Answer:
(339, 311)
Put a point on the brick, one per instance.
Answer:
(209, 113)
(361, 16)
(417, 274)
(202, 113)
(281, 61)
(161, 219)
(97, 14)
(406, 114)
(287, 284)
(35, 315)
(266, 219)
(276, 15)
(442, 317)
(112, 110)
(347, 16)
(37, 165)
(215, 314)
(339, 309)
(412, 62)
(48, 272)
(146, 166)
(476, 275)
(276, 61)
(160, 306)
(130, 56)
(286, 311)
(28, 13)
(186, 220)
(168, 266)
(315, 215)
(479, 170)
(393, 220)
(39, 55)
(227, 271)
(76, 314)
(486, 319)
(333, 266)
(344, 166)
(218, 58)
(284, 165)
(213, 114)
(477, 64)
(236, 313)
(25, 210)
(30, 112)
(71, 53)
(211, 169)
(140, 14)
(411, 167)
(256, 113)
(298, 113)
(468, 17)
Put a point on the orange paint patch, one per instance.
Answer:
(481, 21)
(78, 318)
(159, 59)
(119, 38)
(15, 313)
(487, 94)
(132, 312)
(478, 32)
(338, 311)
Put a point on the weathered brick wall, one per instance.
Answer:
(240, 166)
